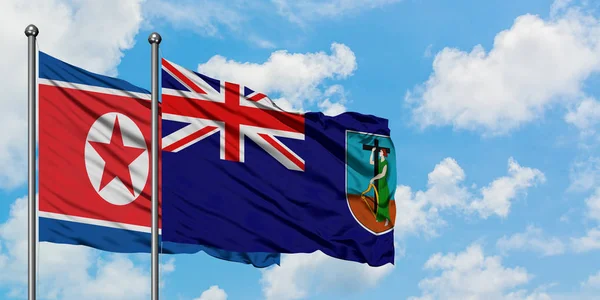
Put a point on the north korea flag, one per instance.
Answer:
(94, 164)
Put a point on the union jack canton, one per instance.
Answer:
(209, 106)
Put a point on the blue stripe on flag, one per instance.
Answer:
(54, 69)
(128, 241)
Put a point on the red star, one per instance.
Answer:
(117, 158)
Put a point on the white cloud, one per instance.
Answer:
(75, 31)
(168, 266)
(444, 184)
(496, 196)
(203, 17)
(335, 102)
(261, 42)
(586, 116)
(419, 212)
(591, 241)
(117, 278)
(213, 293)
(593, 206)
(533, 65)
(559, 6)
(301, 275)
(585, 174)
(428, 52)
(588, 291)
(208, 18)
(301, 11)
(587, 243)
(472, 275)
(524, 295)
(90, 275)
(593, 282)
(415, 214)
(297, 77)
(533, 239)
(331, 109)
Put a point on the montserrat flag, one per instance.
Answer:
(94, 165)
(241, 174)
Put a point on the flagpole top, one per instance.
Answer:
(31, 30)
(154, 38)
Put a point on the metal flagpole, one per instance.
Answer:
(31, 32)
(154, 40)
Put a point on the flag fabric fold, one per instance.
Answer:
(94, 165)
(241, 174)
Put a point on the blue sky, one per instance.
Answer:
(493, 112)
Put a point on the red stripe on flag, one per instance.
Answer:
(189, 138)
(257, 97)
(281, 149)
(232, 129)
(232, 112)
(182, 77)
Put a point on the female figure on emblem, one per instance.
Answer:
(383, 199)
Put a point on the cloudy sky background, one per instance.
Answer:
(493, 110)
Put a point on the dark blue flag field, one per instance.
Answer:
(240, 174)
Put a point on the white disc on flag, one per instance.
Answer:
(114, 190)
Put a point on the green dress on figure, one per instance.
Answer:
(383, 205)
